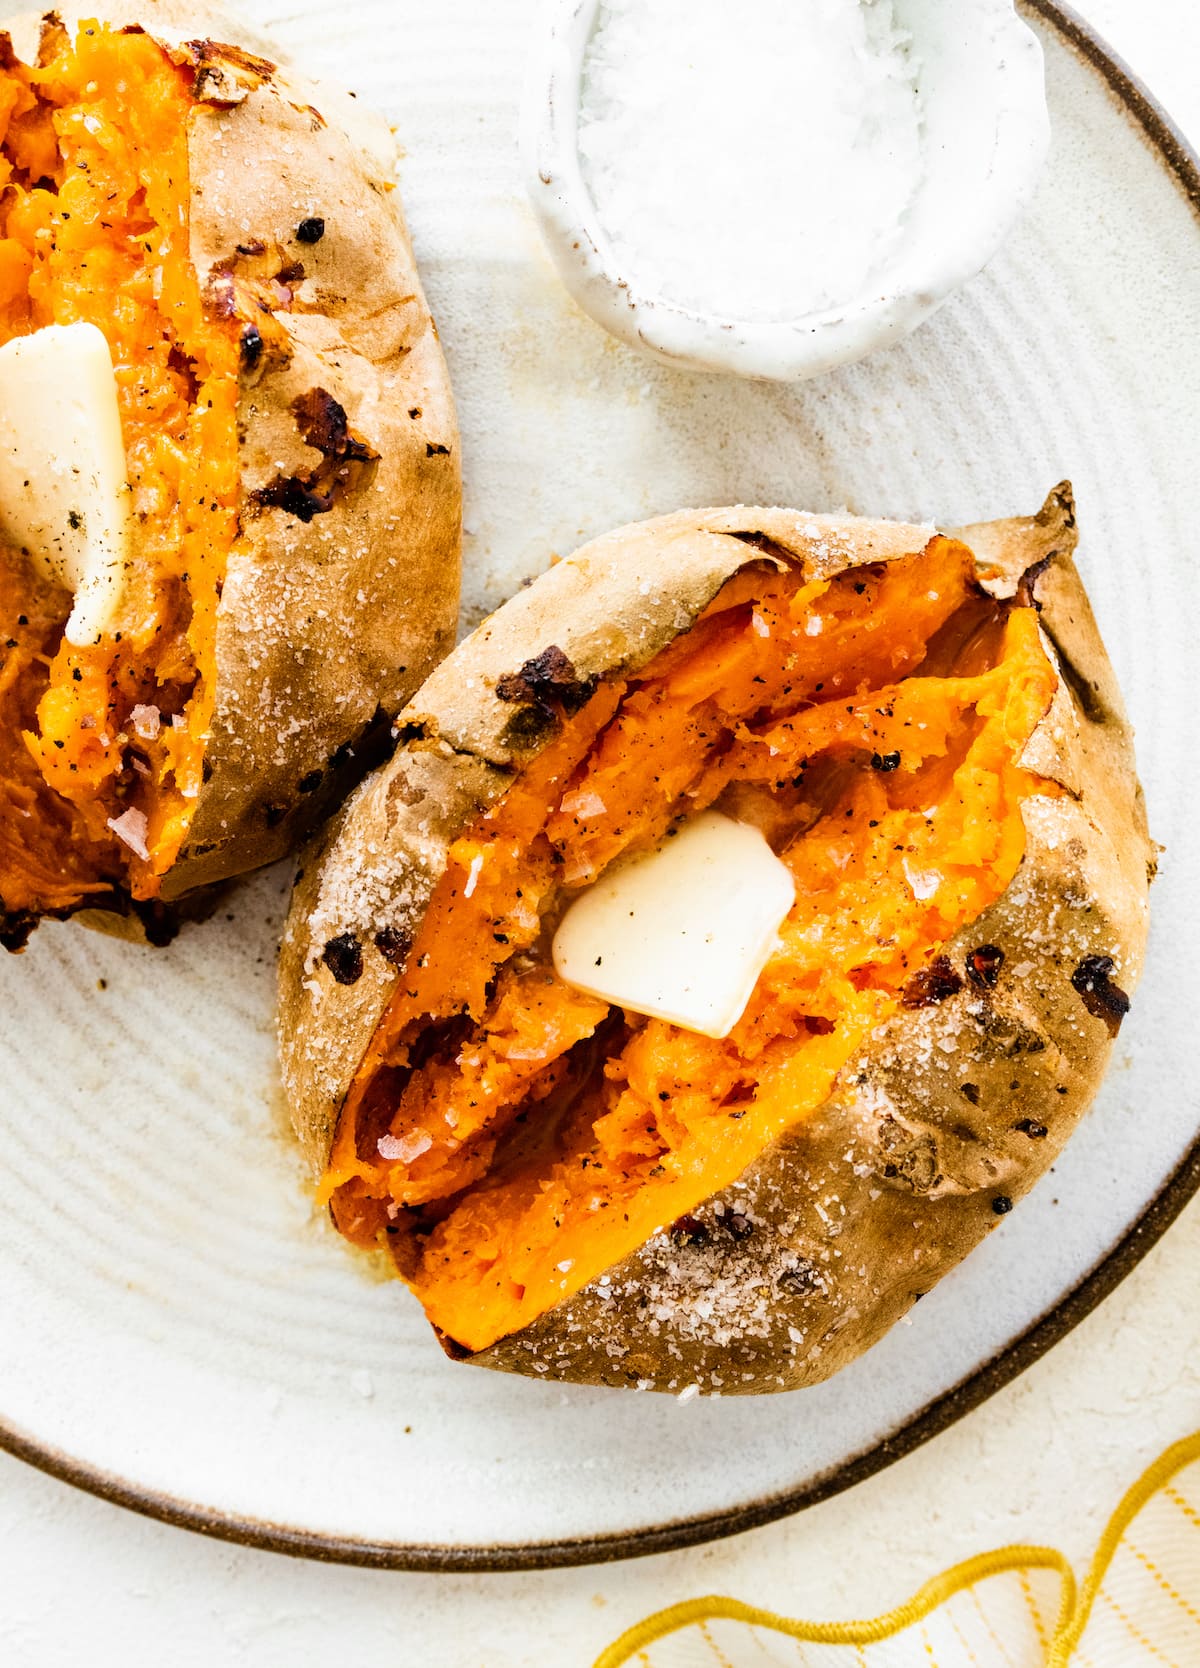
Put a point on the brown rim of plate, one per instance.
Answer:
(1182, 161)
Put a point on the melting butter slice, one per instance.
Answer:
(63, 493)
(681, 933)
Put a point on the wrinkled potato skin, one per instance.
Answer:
(325, 628)
(838, 1228)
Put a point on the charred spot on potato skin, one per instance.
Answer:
(885, 761)
(801, 1280)
(434, 449)
(311, 229)
(983, 966)
(322, 422)
(1101, 997)
(346, 459)
(296, 497)
(910, 1158)
(161, 923)
(311, 782)
(1008, 1037)
(394, 946)
(1031, 1127)
(688, 1230)
(250, 347)
(218, 64)
(1002, 1204)
(343, 957)
(970, 1091)
(16, 929)
(545, 689)
(547, 685)
(932, 984)
(1025, 595)
(223, 52)
(528, 727)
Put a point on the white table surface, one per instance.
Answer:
(1044, 1461)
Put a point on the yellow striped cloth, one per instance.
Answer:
(1138, 1606)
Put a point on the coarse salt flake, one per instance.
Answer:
(583, 805)
(147, 721)
(404, 1147)
(922, 883)
(131, 827)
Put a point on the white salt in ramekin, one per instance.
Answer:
(987, 130)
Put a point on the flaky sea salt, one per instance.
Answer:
(404, 1147)
(146, 721)
(131, 827)
(754, 161)
(583, 805)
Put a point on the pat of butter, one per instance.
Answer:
(681, 933)
(63, 494)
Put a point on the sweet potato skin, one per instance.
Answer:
(328, 621)
(945, 1117)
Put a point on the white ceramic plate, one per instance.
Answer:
(178, 1329)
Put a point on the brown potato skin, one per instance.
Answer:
(946, 1116)
(325, 627)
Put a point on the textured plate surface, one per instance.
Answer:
(179, 1329)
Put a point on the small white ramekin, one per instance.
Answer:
(987, 130)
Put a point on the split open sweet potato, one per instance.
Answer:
(926, 729)
(291, 449)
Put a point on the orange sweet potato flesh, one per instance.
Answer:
(509, 1137)
(94, 223)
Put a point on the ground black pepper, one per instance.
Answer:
(1101, 997)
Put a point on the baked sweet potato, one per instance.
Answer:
(927, 730)
(291, 445)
